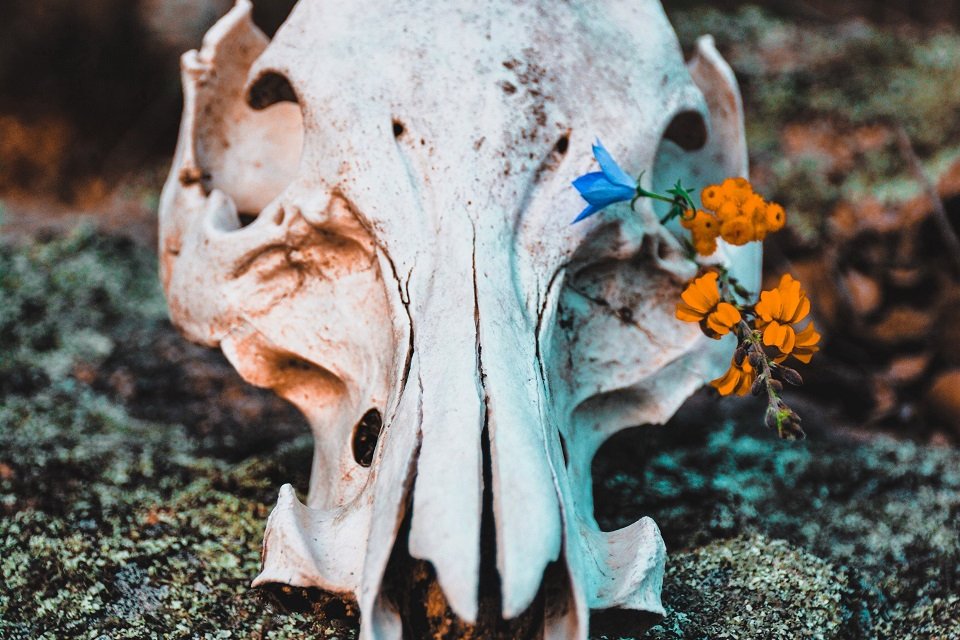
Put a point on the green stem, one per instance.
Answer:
(752, 336)
(643, 193)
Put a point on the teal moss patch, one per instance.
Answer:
(875, 524)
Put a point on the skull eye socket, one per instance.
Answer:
(687, 130)
(269, 89)
(682, 154)
(365, 436)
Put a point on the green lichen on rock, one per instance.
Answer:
(885, 515)
(116, 526)
(751, 587)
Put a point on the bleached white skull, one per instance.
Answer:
(412, 266)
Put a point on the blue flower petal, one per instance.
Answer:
(588, 181)
(588, 211)
(602, 192)
(610, 167)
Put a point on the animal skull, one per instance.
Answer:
(412, 262)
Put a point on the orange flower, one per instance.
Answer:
(704, 246)
(704, 230)
(807, 344)
(712, 197)
(737, 189)
(701, 303)
(778, 310)
(728, 210)
(738, 379)
(737, 231)
(776, 217)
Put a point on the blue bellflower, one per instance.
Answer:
(602, 188)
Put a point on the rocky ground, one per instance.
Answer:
(136, 470)
(136, 473)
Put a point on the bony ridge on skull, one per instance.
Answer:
(368, 215)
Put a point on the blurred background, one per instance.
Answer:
(136, 470)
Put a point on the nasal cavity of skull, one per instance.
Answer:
(644, 470)
(365, 437)
(254, 158)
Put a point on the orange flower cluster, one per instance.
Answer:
(732, 211)
(775, 317)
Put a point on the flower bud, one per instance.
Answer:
(777, 386)
(790, 376)
(757, 387)
(741, 353)
(756, 359)
(770, 417)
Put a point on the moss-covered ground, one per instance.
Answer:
(116, 524)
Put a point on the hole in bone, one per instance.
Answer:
(269, 89)
(398, 128)
(270, 15)
(665, 251)
(562, 144)
(563, 450)
(365, 436)
(250, 155)
(246, 218)
(639, 471)
(335, 607)
(687, 130)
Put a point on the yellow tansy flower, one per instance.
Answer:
(712, 197)
(776, 217)
(728, 210)
(704, 230)
(737, 231)
(705, 246)
(737, 189)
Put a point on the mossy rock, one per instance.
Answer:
(751, 587)
(133, 506)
